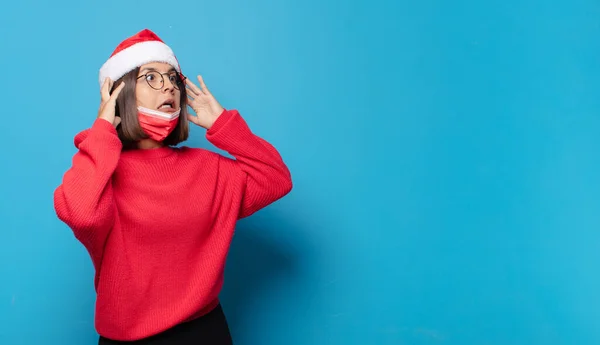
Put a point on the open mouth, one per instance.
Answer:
(168, 105)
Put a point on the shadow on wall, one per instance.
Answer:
(263, 262)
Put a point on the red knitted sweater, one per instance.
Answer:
(157, 223)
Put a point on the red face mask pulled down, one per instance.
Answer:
(157, 124)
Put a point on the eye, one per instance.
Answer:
(151, 76)
(173, 78)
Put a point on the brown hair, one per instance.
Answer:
(129, 129)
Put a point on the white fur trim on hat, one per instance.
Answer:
(135, 56)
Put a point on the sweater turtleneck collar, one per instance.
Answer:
(159, 152)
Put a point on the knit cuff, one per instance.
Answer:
(220, 122)
(102, 131)
(104, 125)
(231, 133)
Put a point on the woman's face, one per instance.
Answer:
(154, 92)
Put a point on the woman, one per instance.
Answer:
(157, 220)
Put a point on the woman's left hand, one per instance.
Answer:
(203, 103)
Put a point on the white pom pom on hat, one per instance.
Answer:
(135, 51)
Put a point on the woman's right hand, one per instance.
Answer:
(109, 102)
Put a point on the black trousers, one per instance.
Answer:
(210, 329)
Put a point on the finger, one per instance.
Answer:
(203, 85)
(193, 86)
(104, 91)
(189, 104)
(190, 91)
(115, 94)
(193, 119)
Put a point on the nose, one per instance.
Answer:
(168, 85)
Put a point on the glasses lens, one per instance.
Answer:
(174, 79)
(154, 79)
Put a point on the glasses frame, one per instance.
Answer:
(176, 85)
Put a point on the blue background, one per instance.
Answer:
(444, 155)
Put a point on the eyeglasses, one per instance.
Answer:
(157, 81)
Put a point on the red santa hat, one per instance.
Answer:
(135, 51)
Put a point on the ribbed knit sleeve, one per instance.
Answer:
(84, 199)
(267, 178)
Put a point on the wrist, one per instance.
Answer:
(105, 119)
(213, 118)
(211, 121)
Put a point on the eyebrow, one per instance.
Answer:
(152, 69)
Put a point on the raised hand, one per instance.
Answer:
(108, 102)
(203, 103)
